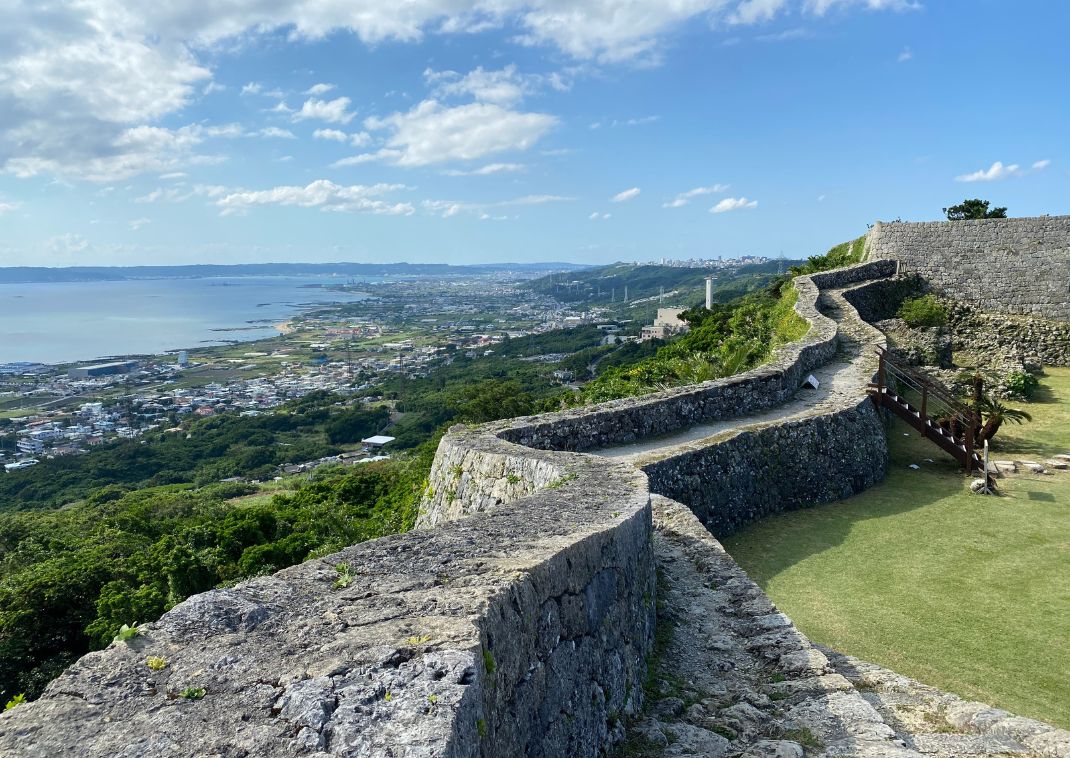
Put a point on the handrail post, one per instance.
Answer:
(880, 380)
(969, 443)
(924, 405)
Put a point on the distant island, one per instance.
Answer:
(33, 274)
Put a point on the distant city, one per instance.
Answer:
(712, 263)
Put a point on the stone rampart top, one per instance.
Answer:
(1013, 265)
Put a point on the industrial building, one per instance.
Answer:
(101, 369)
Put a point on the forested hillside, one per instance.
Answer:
(606, 284)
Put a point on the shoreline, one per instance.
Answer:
(284, 327)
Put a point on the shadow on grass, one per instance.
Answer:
(828, 524)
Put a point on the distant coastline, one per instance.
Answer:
(63, 322)
(41, 274)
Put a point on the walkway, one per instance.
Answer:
(840, 380)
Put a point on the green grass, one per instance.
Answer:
(964, 592)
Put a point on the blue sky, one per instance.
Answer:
(516, 130)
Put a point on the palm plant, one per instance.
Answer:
(995, 414)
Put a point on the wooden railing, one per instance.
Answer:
(940, 417)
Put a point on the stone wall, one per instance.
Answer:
(1017, 265)
(629, 419)
(775, 468)
(518, 632)
(880, 300)
(1029, 341)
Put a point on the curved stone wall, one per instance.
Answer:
(517, 632)
(520, 629)
(1013, 265)
(776, 467)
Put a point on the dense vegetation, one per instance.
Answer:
(924, 311)
(725, 340)
(205, 451)
(70, 578)
(484, 387)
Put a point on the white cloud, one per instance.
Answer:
(1041, 165)
(490, 168)
(66, 243)
(274, 131)
(450, 208)
(137, 223)
(132, 151)
(322, 194)
(332, 111)
(432, 133)
(905, 55)
(821, 7)
(174, 175)
(596, 216)
(755, 11)
(6, 207)
(732, 204)
(685, 197)
(77, 78)
(213, 87)
(625, 196)
(319, 89)
(994, 173)
(784, 36)
(505, 86)
(336, 135)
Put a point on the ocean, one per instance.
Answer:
(59, 322)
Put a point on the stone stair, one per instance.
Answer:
(731, 675)
(936, 723)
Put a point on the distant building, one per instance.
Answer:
(102, 369)
(20, 464)
(183, 358)
(666, 324)
(31, 445)
(377, 441)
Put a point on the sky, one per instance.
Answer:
(140, 133)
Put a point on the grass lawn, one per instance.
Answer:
(968, 593)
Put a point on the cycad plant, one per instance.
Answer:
(995, 414)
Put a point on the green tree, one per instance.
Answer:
(972, 209)
(491, 400)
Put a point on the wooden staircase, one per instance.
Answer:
(941, 418)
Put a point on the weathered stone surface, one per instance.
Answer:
(514, 632)
(944, 725)
(1016, 265)
(774, 749)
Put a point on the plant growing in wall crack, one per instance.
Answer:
(345, 576)
(127, 633)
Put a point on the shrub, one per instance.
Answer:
(1021, 384)
(923, 311)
